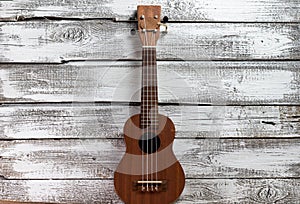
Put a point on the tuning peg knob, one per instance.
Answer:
(165, 19)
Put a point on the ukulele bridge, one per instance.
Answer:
(150, 186)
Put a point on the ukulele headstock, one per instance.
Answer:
(149, 24)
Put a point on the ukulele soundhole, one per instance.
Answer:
(149, 143)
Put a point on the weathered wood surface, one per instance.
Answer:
(245, 154)
(56, 41)
(213, 83)
(98, 158)
(250, 191)
(188, 10)
(107, 121)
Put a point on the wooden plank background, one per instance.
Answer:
(229, 79)
(35, 41)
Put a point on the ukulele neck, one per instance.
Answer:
(149, 95)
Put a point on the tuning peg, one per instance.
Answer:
(165, 19)
(165, 25)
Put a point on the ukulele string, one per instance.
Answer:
(148, 110)
(155, 109)
(147, 96)
(142, 112)
(153, 100)
(152, 84)
(154, 104)
(150, 107)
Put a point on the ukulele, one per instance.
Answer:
(149, 172)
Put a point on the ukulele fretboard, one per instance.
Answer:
(149, 95)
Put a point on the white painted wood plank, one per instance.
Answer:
(107, 121)
(98, 158)
(56, 41)
(252, 191)
(216, 83)
(191, 10)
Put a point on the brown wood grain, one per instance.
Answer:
(34, 41)
(148, 17)
(125, 174)
(176, 10)
(215, 83)
(252, 191)
(91, 120)
(200, 158)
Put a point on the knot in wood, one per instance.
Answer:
(70, 34)
(269, 194)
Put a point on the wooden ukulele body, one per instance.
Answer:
(162, 166)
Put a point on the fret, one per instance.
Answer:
(154, 128)
(148, 124)
(150, 91)
(145, 102)
(148, 120)
(150, 104)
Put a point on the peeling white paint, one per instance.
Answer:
(262, 159)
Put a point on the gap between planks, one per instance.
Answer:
(54, 18)
(177, 10)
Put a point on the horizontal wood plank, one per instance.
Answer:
(106, 121)
(57, 41)
(188, 10)
(252, 191)
(98, 158)
(216, 83)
